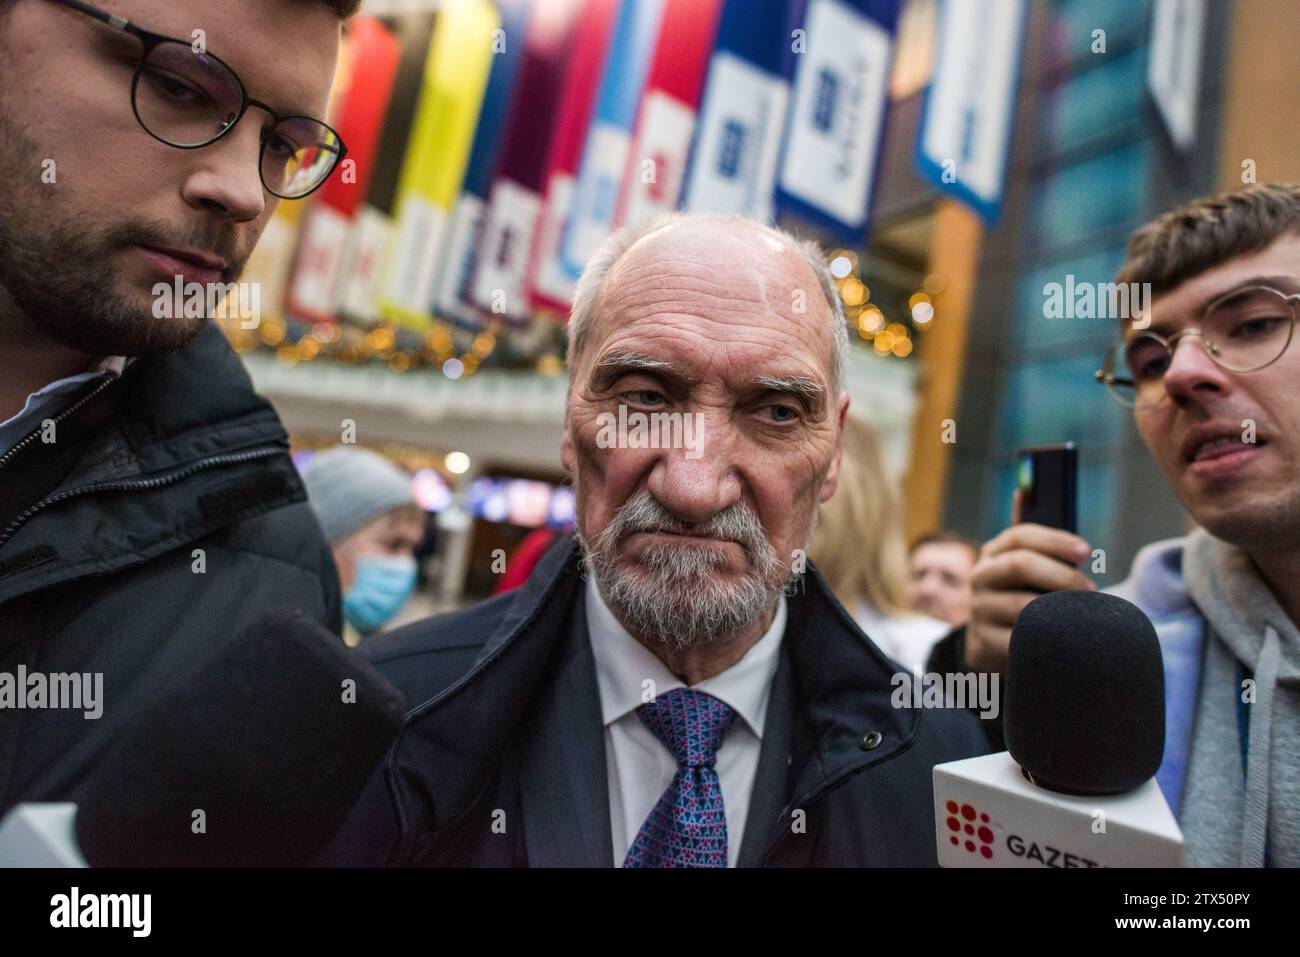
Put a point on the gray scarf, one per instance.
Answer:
(1228, 819)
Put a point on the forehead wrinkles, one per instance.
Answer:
(725, 368)
(704, 343)
(672, 279)
(641, 287)
(721, 277)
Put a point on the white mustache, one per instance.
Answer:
(643, 513)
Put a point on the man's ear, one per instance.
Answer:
(833, 473)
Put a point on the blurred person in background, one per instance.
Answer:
(858, 547)
(525, 557)
(939, 576)
(149, 510)
(367, 509)
(1212, 376)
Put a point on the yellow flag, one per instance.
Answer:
(455, 76)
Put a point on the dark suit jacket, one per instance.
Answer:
(501, 761)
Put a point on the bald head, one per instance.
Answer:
(712, 260)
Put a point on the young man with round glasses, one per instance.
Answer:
(1212, 374)
(149, 510)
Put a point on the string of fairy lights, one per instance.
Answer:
(895, 339)
(454, 351)
(458, 352)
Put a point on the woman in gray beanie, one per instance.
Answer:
(370, 518)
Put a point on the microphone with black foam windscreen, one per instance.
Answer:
(1084, 721)
(1084, 711)
(254, 760)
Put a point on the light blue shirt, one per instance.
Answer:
(49, 401)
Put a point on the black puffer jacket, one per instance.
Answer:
(100, 532)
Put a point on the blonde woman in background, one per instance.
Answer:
(859, 549)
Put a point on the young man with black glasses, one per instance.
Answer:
(148, 506)
(1212, 375)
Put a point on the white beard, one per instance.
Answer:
(673, 596)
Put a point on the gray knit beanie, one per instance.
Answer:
(349, 486)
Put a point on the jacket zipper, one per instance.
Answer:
(30, 437)
(214, 461)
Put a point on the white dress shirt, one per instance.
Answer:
(640, 768)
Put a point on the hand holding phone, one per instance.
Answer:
(1037, 554)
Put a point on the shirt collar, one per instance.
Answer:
(52, 394)
(623, 664)
(109, 366)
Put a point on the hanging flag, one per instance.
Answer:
(467, 217)
(733, 166)
(666, 122)
(609, 141)
(455, 77)
(965, 134)
(368, 65)
(1174, 65)
(271, 264)
(548, 286)
(840, 58)
(356, 297)
(359, 288)
(515, 200)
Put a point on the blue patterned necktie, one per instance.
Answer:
(688, 827)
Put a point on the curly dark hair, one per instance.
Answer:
(1185, 242)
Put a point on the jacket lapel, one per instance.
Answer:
(563, 780)
(772, 778)
(535, 676)
(830, 691)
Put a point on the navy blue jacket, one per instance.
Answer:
(501, 761)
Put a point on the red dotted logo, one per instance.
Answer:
(974, 835)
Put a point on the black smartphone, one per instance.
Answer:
(1047, 478)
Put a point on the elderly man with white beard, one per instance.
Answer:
(671, 687)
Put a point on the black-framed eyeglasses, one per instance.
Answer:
(1243, 330)
(189, 98)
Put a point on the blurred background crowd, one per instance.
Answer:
(413, 309)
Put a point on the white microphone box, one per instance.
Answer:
(987, 814)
